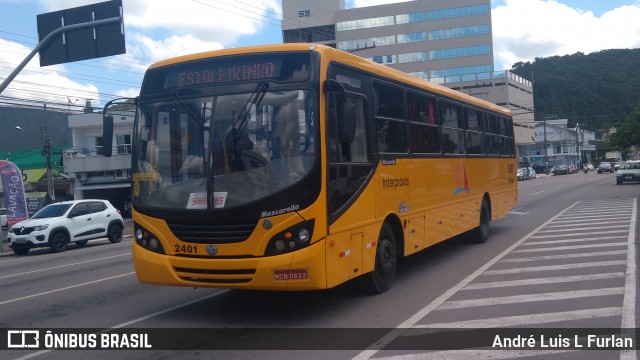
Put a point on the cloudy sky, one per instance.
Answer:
(156, 29)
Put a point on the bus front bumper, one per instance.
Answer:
(303, 269)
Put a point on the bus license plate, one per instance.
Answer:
(293, 274)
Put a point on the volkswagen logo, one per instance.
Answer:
(212, 250)
(267, 224)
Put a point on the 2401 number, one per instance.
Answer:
(186, 249)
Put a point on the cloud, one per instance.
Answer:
(526, 29)
(50, 84)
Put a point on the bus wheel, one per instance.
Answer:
(481, 233)
(382, 276)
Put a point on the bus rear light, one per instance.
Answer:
(294, 238)
(147, 240)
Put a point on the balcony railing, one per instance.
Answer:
(86, 159)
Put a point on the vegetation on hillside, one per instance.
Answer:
(598, 90)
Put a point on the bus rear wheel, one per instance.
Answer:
(382, 277)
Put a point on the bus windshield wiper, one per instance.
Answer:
(240, 123)
(198, 119)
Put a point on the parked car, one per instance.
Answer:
(531, 172)
(561, 170)
(605, 167)
(629, 171)
(522, 174)
(3, 217)
(57, 225)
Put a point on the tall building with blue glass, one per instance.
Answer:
(448, 42)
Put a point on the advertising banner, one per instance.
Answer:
(12, 186)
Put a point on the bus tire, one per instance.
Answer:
(480, 234)
(382, 277)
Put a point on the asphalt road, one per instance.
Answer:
(563, 259)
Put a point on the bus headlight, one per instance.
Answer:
(291, 239)
(304, 235)
(147, 240)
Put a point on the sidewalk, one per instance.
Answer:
(127, 232)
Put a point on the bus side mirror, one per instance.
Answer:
(107, 135)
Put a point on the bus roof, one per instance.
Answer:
(347, 59)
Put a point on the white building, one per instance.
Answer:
(94, 175)
(563, 145)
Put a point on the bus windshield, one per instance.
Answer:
(207, 151)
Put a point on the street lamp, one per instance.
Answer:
(46, 151)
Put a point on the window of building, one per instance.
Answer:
(412, 57)
(304, 13)
(458, 12)
(364, 43)
(459, 52)
(365, 23)
(410, 18)
(384, 59)
(459, 32)
(412, 37)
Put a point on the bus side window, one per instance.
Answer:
(342, 148)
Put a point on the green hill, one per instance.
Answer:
(597, 90)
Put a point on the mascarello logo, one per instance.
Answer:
(461, 180)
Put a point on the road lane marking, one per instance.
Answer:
(541, 281)
(536, 193)
(586, 230)
(570, 247)
(588, 221)
(544, 318)
(543, 242)
(65, 288)
(517, 299)
(555, 267)
(556, 234)
(62, 266)
(146, 317)
(493, 354)
(565, 256)
(629, 302)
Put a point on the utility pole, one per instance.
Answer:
(46, 150)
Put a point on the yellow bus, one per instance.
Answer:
(301, 167)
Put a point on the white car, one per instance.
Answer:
(3, 217)
(57, 225)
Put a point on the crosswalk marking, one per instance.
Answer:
(621, 231)
(564, 256)
(515, 299)
(529, 319)
(556, 267)
(543, 242)
(570, 247)
(607, 286)
(543, 281)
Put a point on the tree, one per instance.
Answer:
(628, 133)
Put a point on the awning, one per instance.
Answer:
(104, 186)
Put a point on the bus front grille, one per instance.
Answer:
(209, 276)
(212, 233)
